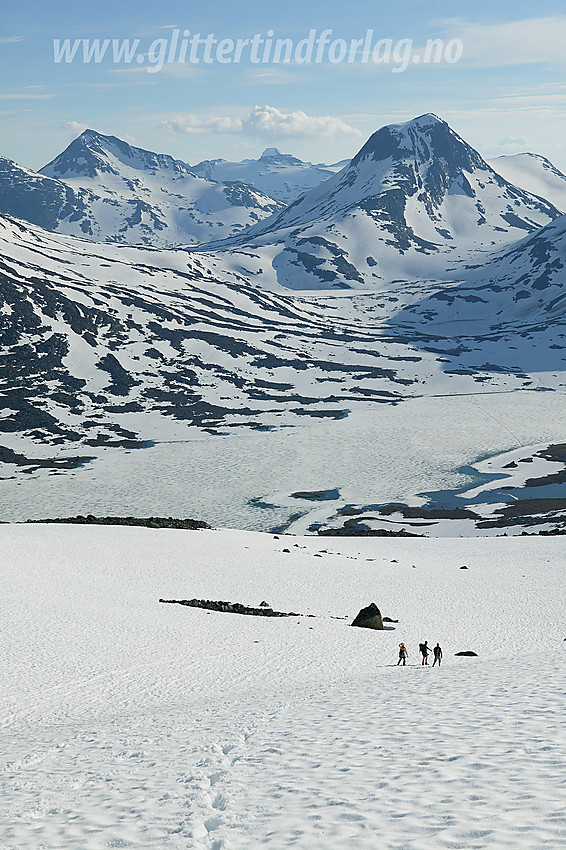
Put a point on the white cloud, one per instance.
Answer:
(526, 42)
(270, 122)
(267, 122)
(75, 128)
(135, 69)
(25, 96)
(13, 39)
(210, 124)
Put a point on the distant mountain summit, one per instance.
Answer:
(426, 183)
(106, 190)
(416, 201)
(280, 175)
(92, 154)
(270, 153)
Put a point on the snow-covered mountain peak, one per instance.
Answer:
(93, 154)
(272, 158)
(416, 201)
(102, 188)
(408, 172)
(270, 152)
(427, 141)
(429, 119)
(280, 175)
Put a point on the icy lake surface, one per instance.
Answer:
(246, 479)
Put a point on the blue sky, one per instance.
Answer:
(506, 94)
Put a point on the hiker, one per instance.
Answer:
(402, 654)
(424, 650)
(437, 655)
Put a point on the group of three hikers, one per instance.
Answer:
(424, 649)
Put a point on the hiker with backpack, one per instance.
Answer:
(402, 654)
(424, 650)
(437, 655)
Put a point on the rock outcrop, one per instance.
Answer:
(143, 522)
(369, 618)
(229, 607)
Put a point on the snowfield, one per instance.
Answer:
(129, 723)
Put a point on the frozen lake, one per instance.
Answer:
(245, 479)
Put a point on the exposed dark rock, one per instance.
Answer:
(10, 456)
(355, 528)
(426, 513)
(229, 607)
(316, 495)
(121, 380)
(468, 653)
(525, 512)
(147, 522)
(546, 480)
(369, 618)
(555, 452)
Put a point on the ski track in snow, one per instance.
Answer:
(126, 723)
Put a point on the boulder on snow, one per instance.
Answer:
(369, 618)
(467, 652)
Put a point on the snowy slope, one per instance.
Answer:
(524, 285)
(104, 189)
(416, 201)
(279, 175)
(123, 332)
(126, 722)
(110, 345)
(536, 174)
